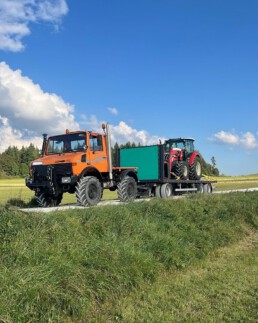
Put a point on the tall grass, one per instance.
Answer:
(66, 266)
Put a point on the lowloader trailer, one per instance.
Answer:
(155, 174)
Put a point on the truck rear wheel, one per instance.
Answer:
(46, 200)
(127, 189)
(88, 191)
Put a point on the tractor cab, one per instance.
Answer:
(186, 144)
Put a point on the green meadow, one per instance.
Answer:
(185, 260)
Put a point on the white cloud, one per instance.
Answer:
(113, 111)
(27, 111)
(14, 137)
(16, 15)
(121, 132)
(246, 140)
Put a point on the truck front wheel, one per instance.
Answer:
(127, 189)
(88, 191)
(46, 200)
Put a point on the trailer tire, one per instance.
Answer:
(200, 188)
(157, 191)
(88, 191)
(207, 188)
(127, 189)
(46, 200)
(166, 190)
(195, 170)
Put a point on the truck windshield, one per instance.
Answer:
(67, 143)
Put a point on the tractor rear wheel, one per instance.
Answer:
(196, 169)
(46, 200)
(88, 191)
(127, 189)
(181, 169)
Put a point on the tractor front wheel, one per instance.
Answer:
(88, 191)
(127, 189)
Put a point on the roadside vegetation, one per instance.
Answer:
(192, 259)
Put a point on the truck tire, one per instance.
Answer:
(127, 189)
(195, 170)
(166, 190)
(46, 200)
(207, 188)
(88, 191)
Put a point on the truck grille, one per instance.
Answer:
(44, 173)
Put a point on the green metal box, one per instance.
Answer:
(146, 159)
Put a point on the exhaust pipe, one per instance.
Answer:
(44, 145)
(110, 164)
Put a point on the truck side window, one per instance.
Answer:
(96, 143)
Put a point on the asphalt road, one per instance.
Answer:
(117, 202)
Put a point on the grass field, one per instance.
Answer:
(185, 260)
(15, 188)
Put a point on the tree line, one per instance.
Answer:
(16, 162)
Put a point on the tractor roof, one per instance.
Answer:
(179, 139)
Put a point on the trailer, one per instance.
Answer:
(155, 175)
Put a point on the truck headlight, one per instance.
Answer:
(66, 180)
(36, 163)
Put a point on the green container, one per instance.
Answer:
(146, 159)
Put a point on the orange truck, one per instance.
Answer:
(79, 162)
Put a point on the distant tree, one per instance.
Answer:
(213, 161)
(8, 165)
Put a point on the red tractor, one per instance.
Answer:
(182, 160)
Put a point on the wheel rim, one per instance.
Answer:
(198, 169)
(168, 190)
(92, 193)
(130, 190)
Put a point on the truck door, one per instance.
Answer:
(97, 152)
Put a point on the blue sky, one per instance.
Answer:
(152, 69)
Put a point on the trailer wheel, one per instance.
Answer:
(195, 171)
(46, 200)
(207, 188)
(200, 188)
(157, 191)
(166, 190)
(127, 189)
(88, 191)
